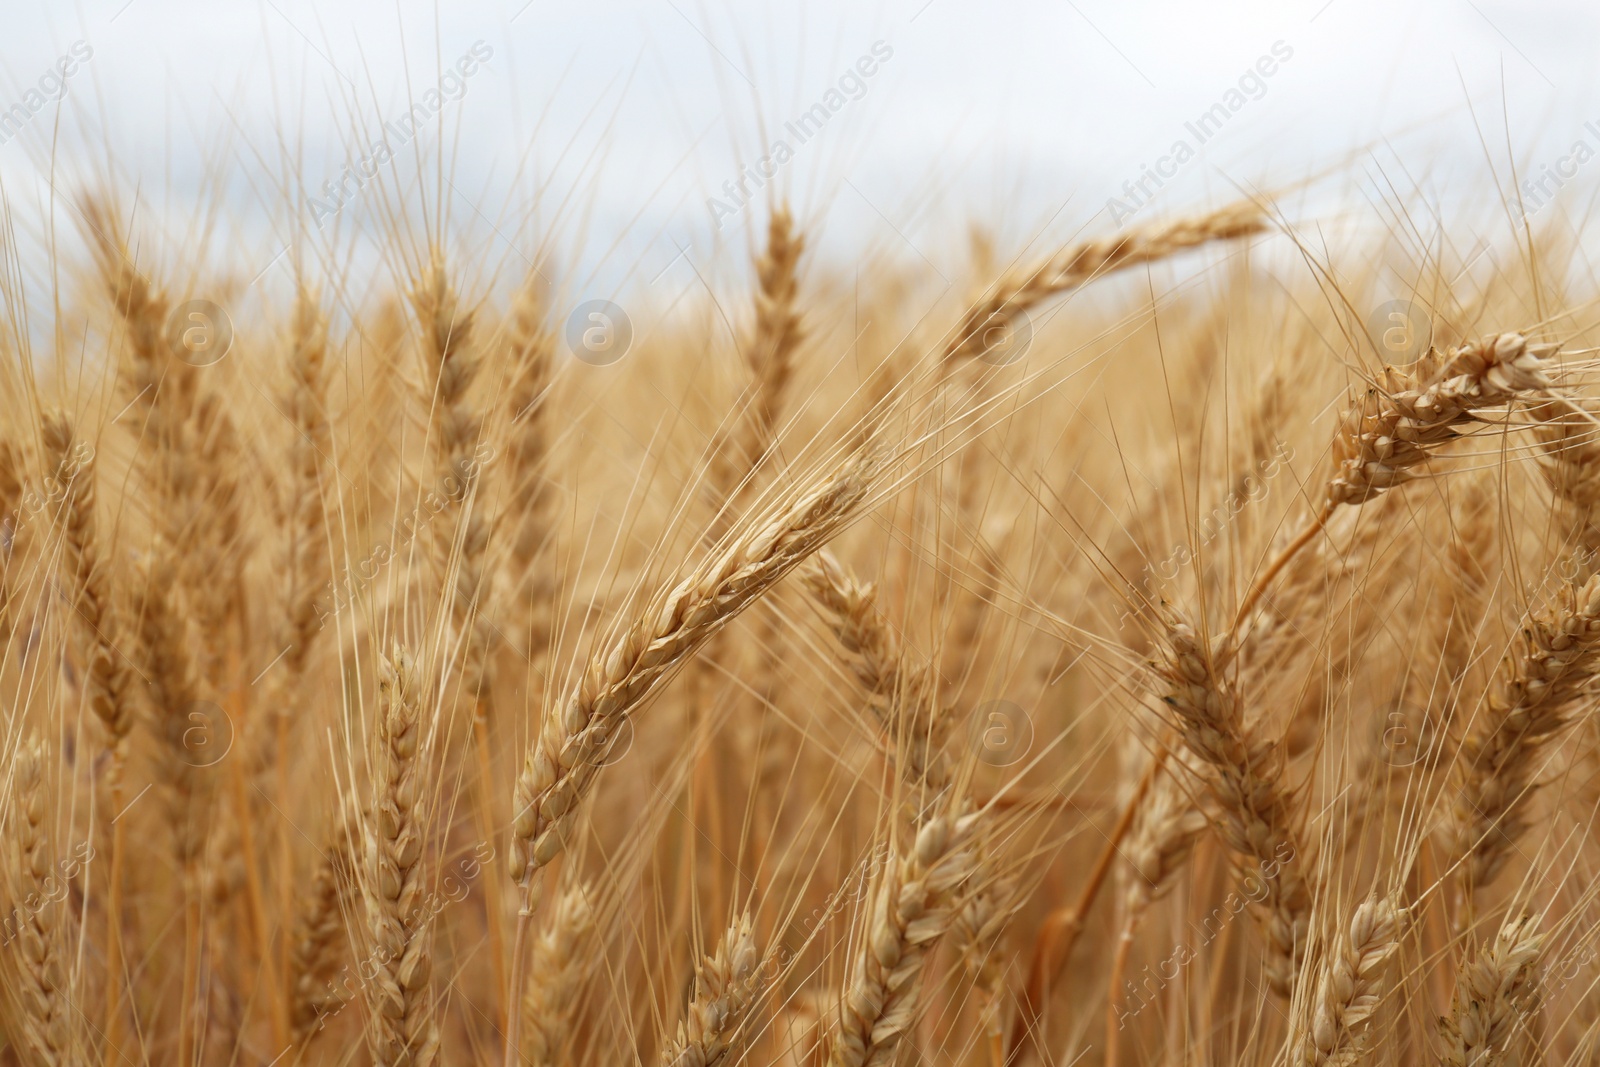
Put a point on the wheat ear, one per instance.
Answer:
(976, 934)
(769, 355)
(403, 1025)
(899, 696)
(726, 988)
(531, 352)
(94, 619)
(915, 903)
(676, 622)
(1397, 427)
(452, 361)
(305, 406)
(98, 625)
(11, 467)
(1244, 773)
(319, 934)
(1495, 994)
(1403, 421)
(557, 969)
(1542, 685)
(1350, 984)
(1082, 263)
(40, 1023)
(668, 631)
(1571, 468)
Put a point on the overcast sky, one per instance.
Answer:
(622, 121)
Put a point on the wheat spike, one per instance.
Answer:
(899, 696)
(404, 1028)
(556, 971)
(1495, 994)
(1256, 817)
(319, 934)
(40, 1019)
(306, 408)
(1543, 680)
(1162, 839)
(96, 620)
(1398, 425)
(739, 449)
(165, 639)
(1082, 263)
(676, 622)
(1350, 984)
(914, 905)
(727, 985)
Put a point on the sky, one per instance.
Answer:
(608, 140)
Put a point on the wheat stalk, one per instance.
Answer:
(1544, 678)
(1496, 993)
(1244, 774)
(914, 905)
(559, 963)
(1082, 263)
(727, 985)
(40, 1021)
(403, 1027)
(1350, 984)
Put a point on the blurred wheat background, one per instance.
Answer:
(798, 535)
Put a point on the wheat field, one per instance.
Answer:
(1176, 646)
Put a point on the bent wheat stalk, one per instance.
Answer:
(1079, 264)
(1403, 421)
(677, 621)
